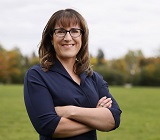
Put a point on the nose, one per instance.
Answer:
(67, 37)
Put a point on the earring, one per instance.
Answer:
(77, 60)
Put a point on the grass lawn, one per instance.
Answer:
(140, 117)
(14, 122)
(139, 120)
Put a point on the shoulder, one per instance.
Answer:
(36, 68)
(98, 78)
(34, 71)
(35, 75)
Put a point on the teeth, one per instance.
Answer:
(69, 45)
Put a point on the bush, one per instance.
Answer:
(150, 75)
(113, 77)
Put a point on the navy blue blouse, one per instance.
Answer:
(45, 90)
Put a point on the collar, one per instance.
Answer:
(59, 68)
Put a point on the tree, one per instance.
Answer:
(100, 57)
(11, 66)
(3, 65)
(150, 72)
(132, 59)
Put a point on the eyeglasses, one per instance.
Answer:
(74, 32)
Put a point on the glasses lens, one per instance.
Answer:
(60, 32)
(75, 32)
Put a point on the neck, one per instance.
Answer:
(67, 64)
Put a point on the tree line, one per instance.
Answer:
(133, 68)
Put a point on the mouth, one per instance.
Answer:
(67, 45)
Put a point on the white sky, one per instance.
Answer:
(116, 26)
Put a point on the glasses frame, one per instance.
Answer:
(66, 31)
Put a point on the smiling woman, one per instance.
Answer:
(64, 97)
(65, 20)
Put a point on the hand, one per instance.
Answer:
(104, 102)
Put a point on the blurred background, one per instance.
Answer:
(124, 44)
(124, 36)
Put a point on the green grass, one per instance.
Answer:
(139, 120)
(14, 122)
(140, 117)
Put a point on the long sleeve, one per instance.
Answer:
(104, 91)
(39, 104)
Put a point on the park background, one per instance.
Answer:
(124, 47)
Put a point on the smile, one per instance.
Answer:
(68, 45)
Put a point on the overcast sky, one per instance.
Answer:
(116, 26)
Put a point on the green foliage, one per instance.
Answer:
(150, 75)
(112, 76)
(133, 68)
(149, 72)
(100, 57)
(13, 65)
(139, 120)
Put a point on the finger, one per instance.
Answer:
(106, 101)
(108, 104)
(101, 100)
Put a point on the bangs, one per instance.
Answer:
(67, 19)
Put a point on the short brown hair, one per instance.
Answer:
(47, 53)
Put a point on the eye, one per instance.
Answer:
(60, 31)
(75, 31)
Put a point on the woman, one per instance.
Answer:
(64, 98)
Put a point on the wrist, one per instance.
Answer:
(73, 111)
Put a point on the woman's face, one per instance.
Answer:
(66, 47)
